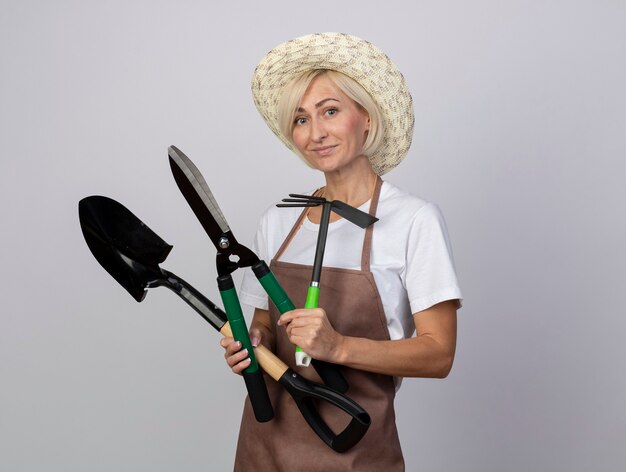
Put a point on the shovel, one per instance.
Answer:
(131, 253)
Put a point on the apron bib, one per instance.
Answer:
(354, 308)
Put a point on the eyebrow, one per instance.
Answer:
(318, 104)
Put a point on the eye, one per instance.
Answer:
(331, 111)
(300, 120)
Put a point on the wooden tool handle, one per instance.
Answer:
(266, 358)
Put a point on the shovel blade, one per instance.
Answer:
(123, 245)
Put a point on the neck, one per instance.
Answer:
(353, 185)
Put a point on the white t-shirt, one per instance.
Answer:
(411, 258)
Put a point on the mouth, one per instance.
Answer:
(324, 150)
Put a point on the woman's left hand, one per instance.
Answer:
(310, 329)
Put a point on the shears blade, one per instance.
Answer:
(197, 193)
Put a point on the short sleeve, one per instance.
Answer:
(430, 276)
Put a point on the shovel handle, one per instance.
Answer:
(306, 393)
(271, 364)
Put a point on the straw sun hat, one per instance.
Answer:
(354, 57)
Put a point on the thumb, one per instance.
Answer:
(255, 337)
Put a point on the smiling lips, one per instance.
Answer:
(324, 150)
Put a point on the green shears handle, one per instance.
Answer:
(252, 375)
(271, 286)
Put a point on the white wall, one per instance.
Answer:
(519, 138)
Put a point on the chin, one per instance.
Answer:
(327, 167)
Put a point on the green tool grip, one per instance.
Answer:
(252, 375)
(275, 291)
(312, 297)
(236, 320)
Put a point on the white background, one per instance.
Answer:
(520, 126)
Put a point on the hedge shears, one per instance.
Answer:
(232, 255)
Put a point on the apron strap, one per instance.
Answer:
(295, 228)
(367, 241)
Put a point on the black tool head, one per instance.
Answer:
(123, 245)
(353, 215)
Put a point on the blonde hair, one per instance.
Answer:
(293, 92)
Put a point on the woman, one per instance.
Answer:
(344, 108)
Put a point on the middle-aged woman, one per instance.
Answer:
(343, 107)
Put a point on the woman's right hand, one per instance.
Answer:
(237, 358)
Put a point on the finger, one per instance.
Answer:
(308, 329)
(300, 313)
(241, 366)
(289, 316)
(225, 341)
(255, 337)
(305, 321)
(303, 342)
(237, 357)
(232, 348)
(285, 320)
(306, 332)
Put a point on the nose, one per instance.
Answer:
(318, 130)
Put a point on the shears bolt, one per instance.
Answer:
(224, 243)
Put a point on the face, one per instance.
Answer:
(329, 128)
